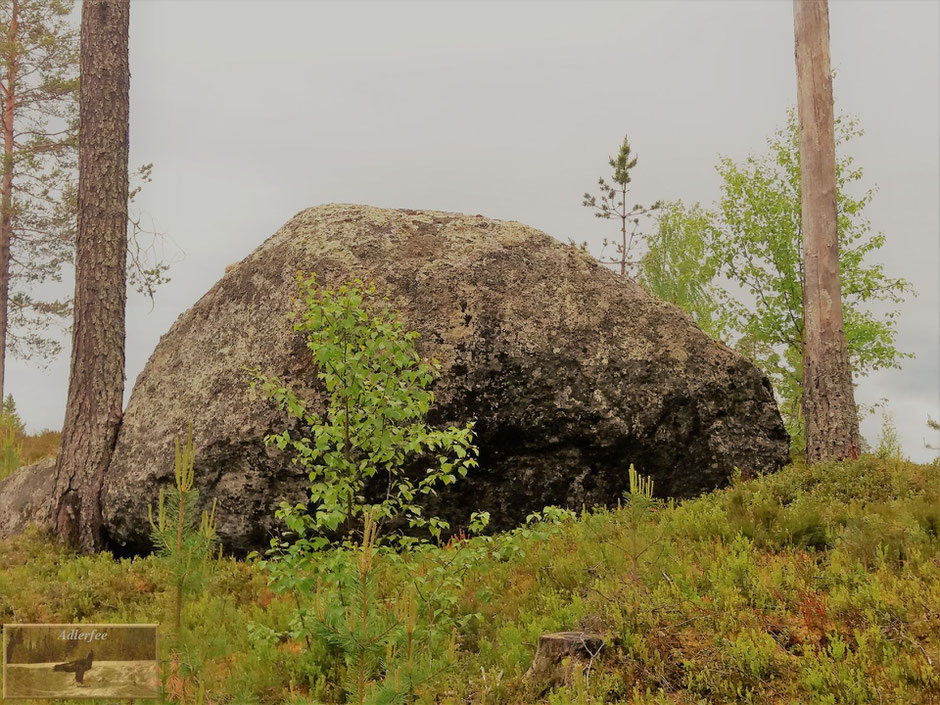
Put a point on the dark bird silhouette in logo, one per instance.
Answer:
(77, 667)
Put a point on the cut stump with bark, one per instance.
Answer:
(559, 654)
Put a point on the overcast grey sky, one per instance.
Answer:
(252, 111)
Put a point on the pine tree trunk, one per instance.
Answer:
(828, 397)
(623, 235)
(96, 381)
(6, 191)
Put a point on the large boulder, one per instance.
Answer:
(571, 372)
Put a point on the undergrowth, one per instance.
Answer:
(18, 448)
(813, 585)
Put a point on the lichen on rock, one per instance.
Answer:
(571, 372)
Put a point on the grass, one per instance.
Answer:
(814, 585)
(18, 448)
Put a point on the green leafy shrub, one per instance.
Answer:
(889, 442)
(379, 397)
(379, 394)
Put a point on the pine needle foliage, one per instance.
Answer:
(389, 650)
(178, 532)
(11, 432)
(639, 506)
(611, 203)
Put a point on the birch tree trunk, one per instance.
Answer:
(828, 397)
(96, 381)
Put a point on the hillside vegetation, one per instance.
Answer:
(816, 585)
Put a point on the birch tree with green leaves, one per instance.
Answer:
(737, 268)
(754, 241)
(677, 267)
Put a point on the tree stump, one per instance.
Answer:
(559, 654)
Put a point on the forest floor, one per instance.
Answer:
(813, 585)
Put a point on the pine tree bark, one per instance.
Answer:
(96, 381)
(828, 396)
